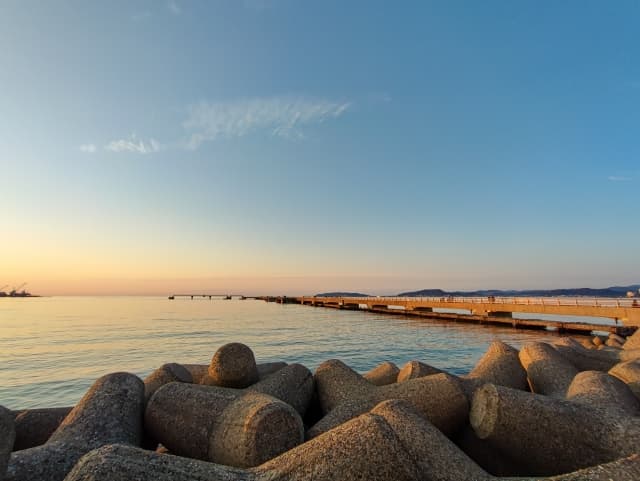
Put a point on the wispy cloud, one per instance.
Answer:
(281, 116)
(174, 7)
(619, 178)
(135, 145)
(88, 148)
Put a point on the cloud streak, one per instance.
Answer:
(619, 178)
(174, 7)
(281, 116)
(134, 145)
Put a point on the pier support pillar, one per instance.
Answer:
(500, 314)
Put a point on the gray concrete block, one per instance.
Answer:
(383, 374)
(547, 371)
(7, 437)
(110, 412)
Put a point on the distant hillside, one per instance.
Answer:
(614, 291)
(342, 294)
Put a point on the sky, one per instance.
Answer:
(294, 147)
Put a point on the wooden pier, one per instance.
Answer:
(497, 317)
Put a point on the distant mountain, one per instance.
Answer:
(342, 294)
(614, 291)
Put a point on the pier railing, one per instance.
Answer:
(527, 301)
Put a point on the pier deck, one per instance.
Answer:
(494, 311)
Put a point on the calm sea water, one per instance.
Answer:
(52, 349)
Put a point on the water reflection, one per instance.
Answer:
(53, 348)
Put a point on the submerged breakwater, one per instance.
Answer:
(54, 348)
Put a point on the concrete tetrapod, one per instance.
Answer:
(385, 373)
(439, 397)
(7, 436)
(629, 373)
(391, 443)
(593, 360)
(597, 388)
(416, 369)
(165, 374)
(110, 412)
(561, 436)
(633, 341)
(200, 372)
(35, 426)
(222, 425)
(548, 372)
(336, 382)
(233, 365)
(292, 384)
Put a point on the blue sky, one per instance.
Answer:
(303, 146)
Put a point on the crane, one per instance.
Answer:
(15, 290)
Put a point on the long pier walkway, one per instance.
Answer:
(495, 310)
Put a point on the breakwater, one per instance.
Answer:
(566, 410)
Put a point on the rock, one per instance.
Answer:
(629, 373)
(385, 373)
(548, 372)
(391, 443)
(165, 374)
(35, 426)
(439, 397)
(588, 343)
(233, 365)
(7, 436)
(561, 436)
(222, 425)
(597, 388)
(110, 412)
(597, 341)
(416, 369)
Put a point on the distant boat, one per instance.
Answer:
(171, 298)
(226, 298)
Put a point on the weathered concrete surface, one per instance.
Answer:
(602, 359)
(383, 374)
(416, 369)
(548, 372)
(629, 373)
(624, 469)
(336, 382)
(35, 426)
(200, 372)
(292, 384)
(597, 388)
(392, 443)
(500, 365)
(7, 436)
(487, 456)
(222, 425)
(265, 369)
(633, 341)
(165, 374)
(233, 365)
(561, 436)
(110, 412)
(439, 397)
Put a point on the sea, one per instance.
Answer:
(53, 348)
